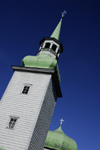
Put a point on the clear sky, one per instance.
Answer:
(23, 23)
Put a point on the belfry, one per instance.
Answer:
(27, 105)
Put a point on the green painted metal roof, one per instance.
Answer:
(41, 61)
(58, 140)
(56, 32)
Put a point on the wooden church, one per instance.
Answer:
(27, 105)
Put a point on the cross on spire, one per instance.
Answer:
(61, 121)
(63, 13)
(56, 32)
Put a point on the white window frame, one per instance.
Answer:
(14, 117)
(26, 84)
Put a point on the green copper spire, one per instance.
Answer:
(56, 32)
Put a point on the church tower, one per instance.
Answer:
(29, 100)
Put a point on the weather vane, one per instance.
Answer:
(63, 13)
(61, 121)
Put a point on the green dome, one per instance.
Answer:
(41, 61)
(59, 141)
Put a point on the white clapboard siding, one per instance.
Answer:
(39, 135)
(28, 107)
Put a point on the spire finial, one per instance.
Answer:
(61, 121)
(63, 13)
(56, 32)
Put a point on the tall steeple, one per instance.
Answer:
(51, 45)
(32, 91)
(56, 32)
(48, 54)
(49, 51)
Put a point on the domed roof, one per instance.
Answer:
(58, 140)
(41, 61)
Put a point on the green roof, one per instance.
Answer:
(41, 61)
(58, 140)
(56, 32)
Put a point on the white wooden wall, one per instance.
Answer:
(42, 126)
(25, 106)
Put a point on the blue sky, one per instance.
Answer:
(23, 23)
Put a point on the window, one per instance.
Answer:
(26, 89)
(54, 47)
(47, 45)
(12, 122)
